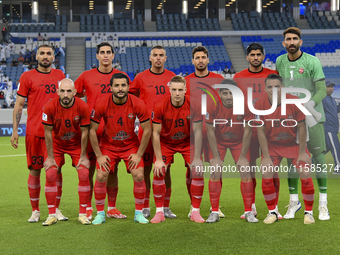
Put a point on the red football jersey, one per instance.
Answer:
(39, 88)
(176, 121)
(66, 122)
(193, 83)
(230, 133)
(275, 131)
(119, 121)
(246, 79)
(95, 85)
(152, 87)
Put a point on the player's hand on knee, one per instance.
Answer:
(83, 160)
(304, 158)
(15, 140)
(103, 162)
(242, 162)
(134, 160)
(159, 168)
(197, 166)
(266, 162)
(49, 162)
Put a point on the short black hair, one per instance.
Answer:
(45, 46)
(273, 76)
(200, 49)
(254, 46)
(119, 76)
(229, 82)
(104, 44)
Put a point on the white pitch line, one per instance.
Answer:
(7, 156)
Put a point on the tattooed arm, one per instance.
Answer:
(19, 105)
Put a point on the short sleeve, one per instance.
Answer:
(48, 114)
(23, 86)
(135, 86)
(85, 119)
(79, 84)
(157, 114)
(97, 113)
(142, 112)
(300, 116)
(196, 112)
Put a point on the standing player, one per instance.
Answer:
(237, 139)
(201, 77)
(119, 141)
(66, 121)
(299, 69)
(277, 142)
(150, 86)
(253, 77)
(95, 84)
(38, 86)
(331, 125)
(174, 118)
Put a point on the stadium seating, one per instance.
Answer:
(269, 21)
(178, 22)
(59, 25)
(323, 20)
(178, 51)
(102, 23)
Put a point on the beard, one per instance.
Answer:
(42, 64)
(66, 101)
(119, 96)
(293, 50)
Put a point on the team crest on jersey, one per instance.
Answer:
(301, 70)
(178, 136)
(68, 136)
(93, 113)
(282, 136)
(229, 135)
(76, 118)
(121, 135)
(130, 116)
(188, 117)
(290, 116)
(239, 117)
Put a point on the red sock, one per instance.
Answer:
(100, 195)
(147, 198)
(276, 181)
(254, 188)
(112, 196)
(247, 195)
(83, 188)
(215, 193)
(307, 188)
(167, 197)
(269, 194)
(89, 201)
(59, 189)
(197, 186)
(188, 181)
(51, 189)
(139, 193)
(158, 186)
(34, 191)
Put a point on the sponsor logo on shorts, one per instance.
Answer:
(282, 136)
(121, 135)
(68, 136)
(130, 116)
(229, 135)
(179, 136)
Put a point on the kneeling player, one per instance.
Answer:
(68, 119)
(119, 141)
(174, 118)
(279, 142)
(229, 135)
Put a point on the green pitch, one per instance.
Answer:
(174, 236)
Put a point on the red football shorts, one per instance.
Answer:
(235, 150)
(73, 151)
(117, 156)
(168, 152)
(35, 152)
